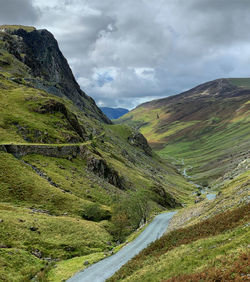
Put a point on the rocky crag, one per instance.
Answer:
(47, 68)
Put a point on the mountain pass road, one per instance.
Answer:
(105, 268)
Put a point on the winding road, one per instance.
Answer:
(105, 268)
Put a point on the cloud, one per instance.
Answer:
(126, 52)
(16, 11)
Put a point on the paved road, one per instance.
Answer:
(105, 268)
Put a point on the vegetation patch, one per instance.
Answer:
(210, 227)
(65, 269)
(238, 270)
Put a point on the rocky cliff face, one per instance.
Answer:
(49, 69)
(138, 140)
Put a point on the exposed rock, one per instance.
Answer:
(61, 167)
(1, 220)
(3, 247)
(86, 263)
(39, 211)
(138, 140)
(127, 156)
(198, 200)
(52, 106)
(21, 220)
(33, 228)
(2, 148)
(44, 150)
(101, 168)
(39, 51)
(165, 199)
(37, 253)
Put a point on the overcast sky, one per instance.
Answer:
(124, 52)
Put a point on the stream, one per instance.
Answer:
(203, 190)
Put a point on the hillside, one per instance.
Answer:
(204, 130)
(68, 188)
(34, 56)
(205, 133)
(114, 113)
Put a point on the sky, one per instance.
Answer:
(123, 53)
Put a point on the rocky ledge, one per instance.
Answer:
(95, 164)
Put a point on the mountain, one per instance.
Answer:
(38, 60)
(205, 133)
(114, 113)
(75, 187)
(206, 128)
(68, 188)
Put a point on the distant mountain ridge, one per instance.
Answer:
(114, 113)
(205, 133)
(199, 126)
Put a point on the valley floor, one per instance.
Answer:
(207, 241)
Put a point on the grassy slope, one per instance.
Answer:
(191, 249)
(41, 224)
(209, 135)
(215, 153)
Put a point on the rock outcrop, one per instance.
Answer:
(65, 151)
(53, 106)
(96, 165)
(101, 168)
(49, 70)
(138, 140)
(165, 199)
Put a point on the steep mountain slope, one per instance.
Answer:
(206, 129)
(43, 65)
(114, 113)
(208, 241)
(71, 183)
(205, 132)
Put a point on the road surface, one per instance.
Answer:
(105, 268)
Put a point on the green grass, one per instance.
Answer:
(16, 27)
(70, 175)
(233, 268)
(241, 82)
(19, 184)
(224, 233)
(67, 268)
(194, 257)
(232, 193)
(18, 265)
(59, 231)
(55, 237)
(205, 154)
(120, 131)
(20, 121)
(210, 136)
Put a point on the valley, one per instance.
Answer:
(76, 187)
(204, 132)
(68, 187)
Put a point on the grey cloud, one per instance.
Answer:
(126, 52)
(18, 12)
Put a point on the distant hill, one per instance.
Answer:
(205, 132)
(206, 127)
(114, 113)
